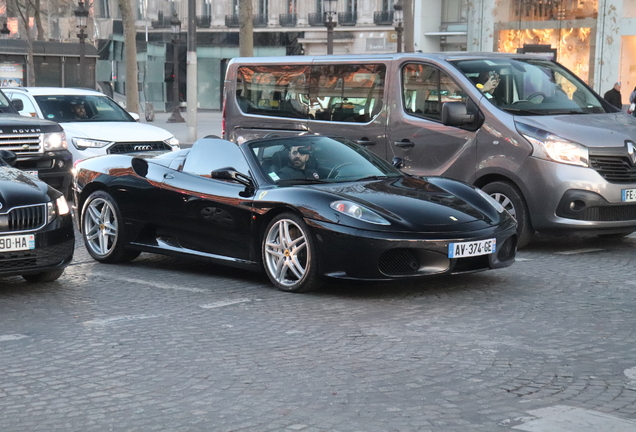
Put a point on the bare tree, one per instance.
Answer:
(24, 12)
(130, 42)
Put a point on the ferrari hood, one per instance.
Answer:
(416, 204)
(116, 131)
(18, 188)
(591, 130)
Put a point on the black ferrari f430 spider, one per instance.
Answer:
(301, 208)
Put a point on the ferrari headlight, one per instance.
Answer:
(172, 142)
(552, 147)
(84, 143)
(359, 212)
(492, 201)
(54, 141)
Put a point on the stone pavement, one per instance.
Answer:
(208, 123)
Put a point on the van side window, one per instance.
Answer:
(425, 89)
(278, 91)
(349, 93)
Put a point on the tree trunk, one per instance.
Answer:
(409, 23)
(25, 13)
(38, 19)
(246, 29)
(130, 42)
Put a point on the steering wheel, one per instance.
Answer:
(335, 169)
(536, 94)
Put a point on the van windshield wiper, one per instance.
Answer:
(524, 111)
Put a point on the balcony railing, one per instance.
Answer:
(316, 19)
(161, 22)
(204, 20)
(232, 20)
(287, 20)
(259, 20)
(347, 18)
(383, 17)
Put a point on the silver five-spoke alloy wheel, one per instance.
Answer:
(100, 227)
(286, 253)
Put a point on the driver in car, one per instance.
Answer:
(79, 111)
(297, 165)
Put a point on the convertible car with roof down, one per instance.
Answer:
(302, 208)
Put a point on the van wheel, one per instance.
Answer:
(509, 196)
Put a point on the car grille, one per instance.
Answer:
(42, 257)
(610, 213)
(136, 147)
(26, 218)
(20, 143)
(399, 262)
(614, 169)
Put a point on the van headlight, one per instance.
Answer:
(84, 143)
(359, 212)
(54, 141)
(172, 142)
(546, 145)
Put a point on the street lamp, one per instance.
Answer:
(81, 13)
(4, 31)
(330, 22)
(398, 19)
(175, 25)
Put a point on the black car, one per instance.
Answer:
(345, 213)
(36, 229)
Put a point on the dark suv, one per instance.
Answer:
(40, 146)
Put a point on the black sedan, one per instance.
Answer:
(36, 229)
(302, 208)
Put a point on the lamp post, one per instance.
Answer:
(175, 25)
(4, 31)
(330, 22)
(398, 19)
(81, 13)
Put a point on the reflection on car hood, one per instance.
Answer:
(414, 204)
(592, 130)
(18, 188)
(116, 131)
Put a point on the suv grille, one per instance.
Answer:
(27, 218)
(614, 169)
(20, 143)
(136, 147)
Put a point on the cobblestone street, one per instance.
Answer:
(164, 344)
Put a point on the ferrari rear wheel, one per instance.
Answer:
(102, 230)
(289, 254)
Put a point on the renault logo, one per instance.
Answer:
(142, 147)
(631, 151)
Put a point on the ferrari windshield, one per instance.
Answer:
(317, 159)
(530, 86)
(81, 108)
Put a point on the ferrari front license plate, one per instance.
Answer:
(628, 195)
(17, 243)
(467, 249)
(33, 173)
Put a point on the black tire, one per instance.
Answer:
(291, 263)
(47, 276)
(102, 230)
(510, 197)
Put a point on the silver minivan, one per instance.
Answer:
(523, 128)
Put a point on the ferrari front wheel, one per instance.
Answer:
(102, 230)
(289, 254)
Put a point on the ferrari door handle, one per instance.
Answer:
(405, 143)
(365, 142)
(168, 176)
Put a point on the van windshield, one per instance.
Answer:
(530, 86)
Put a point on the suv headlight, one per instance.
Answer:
(83, 143)
(359, 212)
(59, 207)
(172, 142)
(54, 141)
(552, 147)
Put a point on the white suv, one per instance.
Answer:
(94, 123)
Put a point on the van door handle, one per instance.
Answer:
(405, 143)
(168, 176)
(365, 142)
